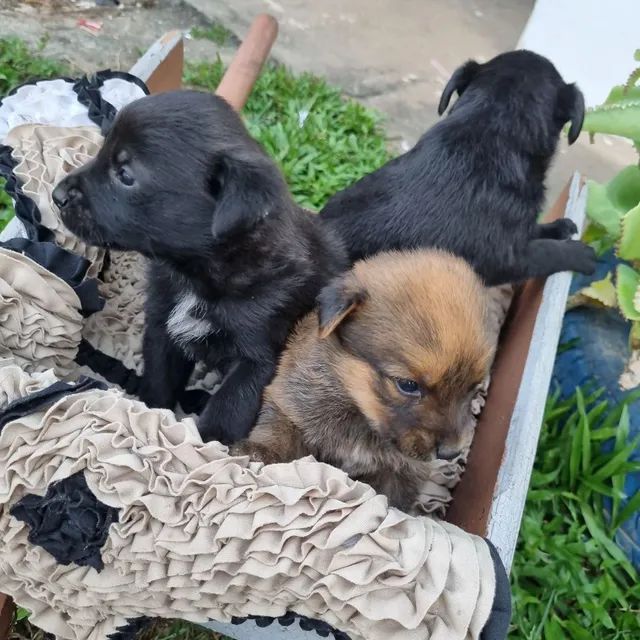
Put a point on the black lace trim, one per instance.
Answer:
(323, 629)
(100, 111)
(132, 629)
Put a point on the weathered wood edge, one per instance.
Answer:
(161, 66)
(526, 421)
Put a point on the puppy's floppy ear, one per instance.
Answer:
(570, 107)
(336, 301)
(459, 81)
(245, 191)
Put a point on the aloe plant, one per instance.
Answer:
(613, 211)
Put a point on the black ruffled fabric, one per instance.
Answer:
(100, 111)
(69, 522)
(323, 629)
(68, 266)
(26, 209)
(46, 397)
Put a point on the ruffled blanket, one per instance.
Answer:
(110, 511)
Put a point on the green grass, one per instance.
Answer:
(216, 33)
(159, 630)
(6, 206)
(321, 141)
(18, 64)
(569, 578)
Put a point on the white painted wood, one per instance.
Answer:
(522, 440)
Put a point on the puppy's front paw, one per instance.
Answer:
(228, 416)
(561, 229)
(211, 428)
(255, 451)
(584, 259)
(565, 228)
(153, 397)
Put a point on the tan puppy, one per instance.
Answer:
(380, 381)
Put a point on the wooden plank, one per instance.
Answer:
(237, 83)
(6, 616)
(162, 65)
(490, 497)
(522, 440)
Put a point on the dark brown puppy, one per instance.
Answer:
(234, 262)
(381, 380)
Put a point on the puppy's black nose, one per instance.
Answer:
(447, 454)
(60, 196)
(65, 193)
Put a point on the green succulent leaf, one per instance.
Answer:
(627, 283)
(22, 614)
(597, 236)
(618, 118)
(607, 204)
(629, 244)
(601, 293)
(623, 93)
(624, 188)
(601, 210)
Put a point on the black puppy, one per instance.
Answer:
(474, 183)
(234, 262)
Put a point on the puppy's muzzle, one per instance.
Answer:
(447, 453)
(66, 194)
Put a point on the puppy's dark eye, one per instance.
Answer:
(408, 387)
(125, 177)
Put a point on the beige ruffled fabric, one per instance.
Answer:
(40, 320)
(45, 155)
(204, 536)
(118, 328)
(16, 383)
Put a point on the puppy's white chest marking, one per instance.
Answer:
(183, 324)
